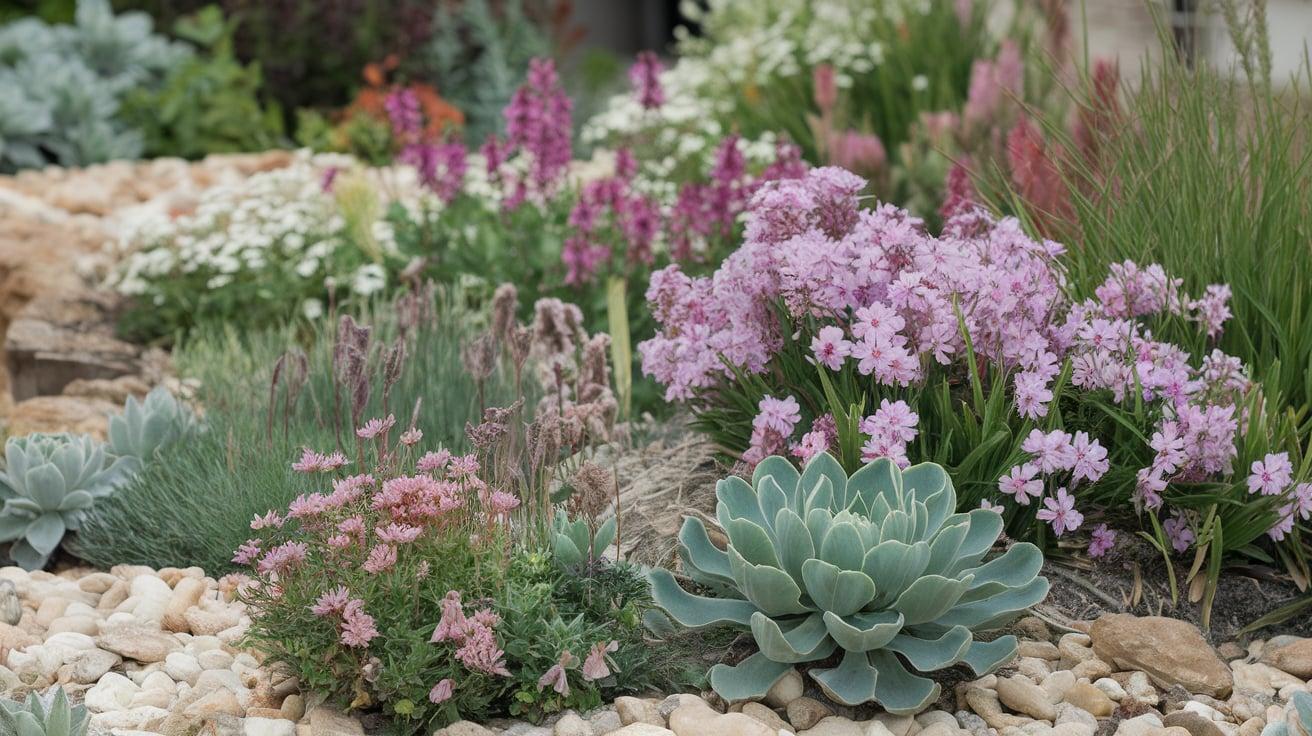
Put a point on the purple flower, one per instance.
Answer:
(1102, 540)
(645, 76)
(831, 347)
(596, 666)
(1271, 475)
(538, 122)
(1060, 512)
(1021, 483)
(1178, 531)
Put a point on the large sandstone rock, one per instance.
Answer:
(1170, 651)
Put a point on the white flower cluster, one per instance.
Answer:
(280, 219)
(745, 43)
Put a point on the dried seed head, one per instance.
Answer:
(505, 302)
(479, 356)
(593, 488)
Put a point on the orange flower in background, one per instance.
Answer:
(439, 115)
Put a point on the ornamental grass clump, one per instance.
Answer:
(876, 567)
(854, 331)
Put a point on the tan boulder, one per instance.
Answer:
(1170, 651)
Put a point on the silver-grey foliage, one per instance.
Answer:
(878, 567)
(60, 85)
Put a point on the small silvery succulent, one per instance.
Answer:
(48, 484)
(573, 543)
(146, 427)
(1298, 715)
(49, 716)
(878, 566)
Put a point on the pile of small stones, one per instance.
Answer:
(158, 652)
(148, 652)
(1118, 676)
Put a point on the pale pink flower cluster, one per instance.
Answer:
(890, 428)
(357, 628)
(314, 462)
(474, 635)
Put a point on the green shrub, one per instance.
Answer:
(876, 565)
(194, 506)
(209, 103)
(275, 247)
(61, 86)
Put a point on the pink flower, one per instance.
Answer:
(282, 557)
(556, 677)
(595, 666)
(778, 415)
(271, 519)
(358, 627)
(825, 87)
(433, 461)
(894, 420)
(1090, 459)
(987, 506)
(1101, 540)
(830, 347)
(1021, 483)
(1032, 395)
(645, 76)
(381, 559)
(410, 438)
(480, 652)
(1061, 513)
(1271, 475)
(1053, 450)
(1178, 531)
(375, 427)
(399, 533)
(442, 691)
(247, 552)
(813, 443)
(313, 462)
(453, 623)
(333, 601)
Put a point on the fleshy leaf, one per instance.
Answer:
(863, 632)
(899, 691)
(852, 682)
(750, 679)
(842, 592)
(694, 611)
(804, 641)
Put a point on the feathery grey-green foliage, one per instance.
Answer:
(877, 565)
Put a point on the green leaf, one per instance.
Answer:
(929, 597)
(696, 612)
(899, 691)
(986, 656)
(863, 632)
(852, 682)
(45, 532)
(842, 592)
(45, 485)
(750, 679)
(700, 554)
(804, 641)
(928, 655)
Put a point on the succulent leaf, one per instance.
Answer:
(750, 679)
(880, 565)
